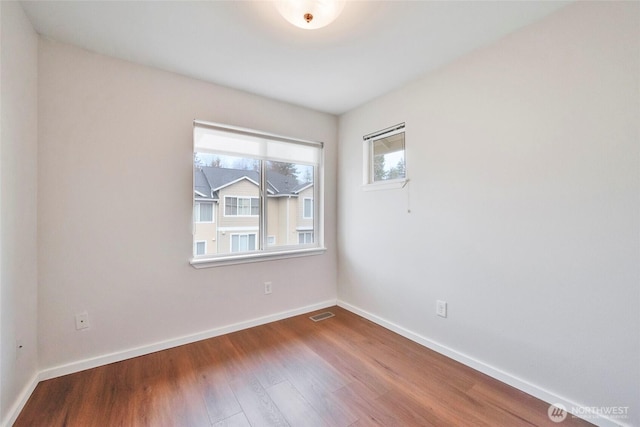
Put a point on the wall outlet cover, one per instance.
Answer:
(82, 321)
(441, 308)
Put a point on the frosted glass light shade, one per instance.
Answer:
(310, 14)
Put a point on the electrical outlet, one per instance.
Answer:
(441, 308)
(267, 288)
(82, 321)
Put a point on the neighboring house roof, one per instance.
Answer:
(209, 180)
(300, 188)
(202, 188)
(282, 184)
(221, 177)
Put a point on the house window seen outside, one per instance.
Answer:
(241, 206)
(204, 212)
(243, 242)
(305, 237)
(200, 248)
(308, 208)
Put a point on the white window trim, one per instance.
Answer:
(224, 208)
(279, 252)
(391, 184)
(243, 258)
(367, 162)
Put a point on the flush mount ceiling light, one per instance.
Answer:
(310, 14)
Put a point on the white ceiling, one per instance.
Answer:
(372, 48)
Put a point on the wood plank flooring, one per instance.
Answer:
(342, 371)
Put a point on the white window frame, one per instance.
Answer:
(231, 236)
(304, 208)
(368, 183)
(197, 212)
(235, 141)
(195, 247)
(305, 233)
(250, 198)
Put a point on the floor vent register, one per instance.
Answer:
(321, 316)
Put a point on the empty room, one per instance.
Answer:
(319, 213)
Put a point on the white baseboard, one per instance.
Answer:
(118, 356)
(14, 411)
(467, 360)
(105, 359)
(483, 367)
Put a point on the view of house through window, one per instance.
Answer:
(234, 214)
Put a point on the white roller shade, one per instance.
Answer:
(220, 139)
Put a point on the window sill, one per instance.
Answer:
(386, 185)
(254, 257)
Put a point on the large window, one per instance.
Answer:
(268, 188)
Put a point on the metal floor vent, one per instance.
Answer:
(321, 316)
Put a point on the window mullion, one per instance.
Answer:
(262, 203)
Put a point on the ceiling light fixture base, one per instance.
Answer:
(310, 14)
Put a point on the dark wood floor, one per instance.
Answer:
(343, 371)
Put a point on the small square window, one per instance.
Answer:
(305, 237)
(200, 247)
(385, 155)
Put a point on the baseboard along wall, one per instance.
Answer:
(94, 362)
(500, 375)
(81, 365)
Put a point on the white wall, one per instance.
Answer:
(18, 201)
(115, 194)
(524, 196)
(523, 159)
